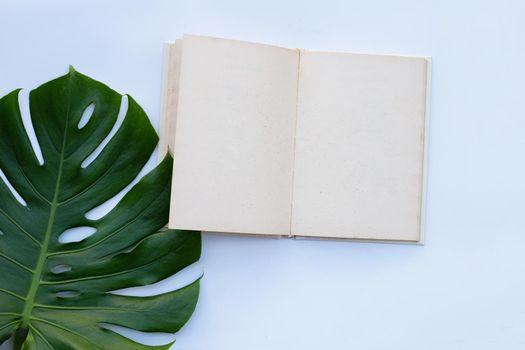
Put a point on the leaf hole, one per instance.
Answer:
(58, 269)
(67, 294)
(100, 211)
(86, 116)
(23, 104)
(177, 281)
(7, 345)
(76, 234)
(120, 119)
(13, 191)
(144, 338)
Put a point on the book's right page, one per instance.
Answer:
(359, 150)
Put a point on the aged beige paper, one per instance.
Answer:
(275, 141)
(359, 146)
(233, 153)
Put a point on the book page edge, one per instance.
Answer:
(163, 122)
(168, 74)
(424, 183)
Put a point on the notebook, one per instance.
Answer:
(295, 143)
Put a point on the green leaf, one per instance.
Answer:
(57, 295)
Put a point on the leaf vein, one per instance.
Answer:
(86, 308)
(35, 190)
(20, 265)
(103, 239)
(97, 277)
(56, 325)
(8, 324)
(85, 189)
(13, 294)
(37, 332)
(20, 227)
(100, 241)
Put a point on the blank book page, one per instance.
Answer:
(359, 146)
(233, 154)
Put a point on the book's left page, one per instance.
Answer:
(234, 137)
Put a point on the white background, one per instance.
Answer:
(465, 289)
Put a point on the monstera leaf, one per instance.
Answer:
(56, 295)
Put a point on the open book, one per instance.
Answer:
(274, 141)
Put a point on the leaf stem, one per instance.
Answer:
(37, 276)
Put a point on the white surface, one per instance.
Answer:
(463, 290)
